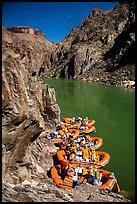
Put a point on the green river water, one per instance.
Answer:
(113, 109)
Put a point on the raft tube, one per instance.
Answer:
(107, 183)
(88, 129)
(70, 121)
(98, 142)
(55, 171)
(74, 132)
(104, 159)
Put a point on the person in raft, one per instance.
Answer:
(79, 170)
(83, 126)
(73, 120)
(94, 157)
(94, 177)
(72, 157)
(75, 179)
(64, 167)
(48, 135)
(85, 120)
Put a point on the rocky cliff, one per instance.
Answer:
(28, 105)
(101, 48)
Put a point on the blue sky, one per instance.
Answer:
(54, 19)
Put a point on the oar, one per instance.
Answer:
(117, 185)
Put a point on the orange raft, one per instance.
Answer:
(105, 157)
(74, 132)
(71, 121)
(55, 171)
(87, 130)
(54, 139)
(110, 182)
(69, 128)
(102, 161)
(107, 182)
(97, 142)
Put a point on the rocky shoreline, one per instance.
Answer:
(114, 79)
(44, 192)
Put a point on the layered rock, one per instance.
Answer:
(26, 29)
(101, 48)
(28, 105)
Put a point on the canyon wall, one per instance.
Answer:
(101, 48)
(28, 105)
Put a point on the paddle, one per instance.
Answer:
(117, 185)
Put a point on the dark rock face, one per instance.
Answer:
(28, 105)
(101, 48)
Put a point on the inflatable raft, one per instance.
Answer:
(93, 142)
(71, 121)
(85, 158)
(107, 182)
(65, 183)
(88, 129)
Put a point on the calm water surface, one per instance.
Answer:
(114, 112)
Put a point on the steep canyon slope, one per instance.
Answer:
(101, 48)
(28, 105)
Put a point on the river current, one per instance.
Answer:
(113, 109)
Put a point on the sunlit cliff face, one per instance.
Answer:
(28, 105)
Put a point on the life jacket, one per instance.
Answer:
(66, 130)
(72, 157)
(61, 132)
(68, 181)
(95, 157)
(84, 171)
(82, 179)
(85, 153)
